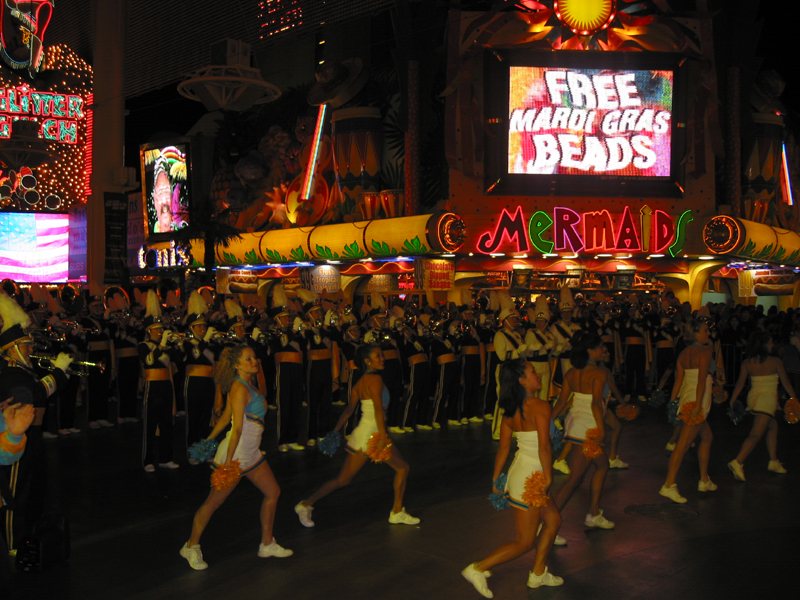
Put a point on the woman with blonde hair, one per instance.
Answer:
(693, 383)
(234, 372)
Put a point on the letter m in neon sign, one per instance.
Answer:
(511, 228)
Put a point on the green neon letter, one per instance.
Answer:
(539, 223)
(680, 233)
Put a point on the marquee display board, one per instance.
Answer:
(578, 123)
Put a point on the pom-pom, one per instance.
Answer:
(592, 443)
(627, 411)
(686, 414)
(791, 411)
(330, 443)
(556, 434)
(535, 488)
(499, 499)
(657, 399)
(376, 455)
(203, 450)
(736, 412)
(672, 412)
(224, 477)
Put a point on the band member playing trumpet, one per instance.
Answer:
(159, 396)
(19, 380)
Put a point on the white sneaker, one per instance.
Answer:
(402, 518)
(465, 421)
(105, 423)
(169, 465)
(737, 470)
(424, 427)
(64, 431)
(273, 549)
(311, 443)
(149, 469)
(476, 420)
(49, 436)
(706, 486)
(283, 448)
(193, 555)
(561, 465)
(74, 430)
(94, 425)
(453, 422)
(670, 447)
(304, 512)
(408, 429)
(194, 462)
(437, 425)
(397, 430)
(488, 417)
(776, 467)
(672, 493)
(617, 464)
(598, 520)
(121, 420)
(535, 581)
(296, 446)
(478, 579)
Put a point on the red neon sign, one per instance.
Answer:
(508, 227)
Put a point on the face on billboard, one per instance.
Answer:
(609, 122)
(166, 189)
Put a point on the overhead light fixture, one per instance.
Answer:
(549, 255)
(448, 255)
(706, 257)
(496, 254)
(604, 255)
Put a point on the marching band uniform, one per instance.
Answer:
(473, 370)
(288, 351)
(540, 343)
(321, 373)
(563, 331)
(418, 373)
(158, 410)
(486, 335)
(27, 475)
(100, 349)
(633, 331)
(443, 354)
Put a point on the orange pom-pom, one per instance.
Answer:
(592, 443)
(535, 488)
(627, 411)
(686, 414)
(376, 455)
(224, 477)
(791, 410)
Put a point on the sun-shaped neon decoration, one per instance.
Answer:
(585, 17)
(610, 25)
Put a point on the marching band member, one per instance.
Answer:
(100, 349)
(486, 332)
(473, 363)
(158, 411)
(633, 332)
(198, 387)
(540, 342)
(416, 350)
(563, 330)
(508, 344)
(322, 368)
(18, 380)
(288, 351)
(126, 339)
(443, 352)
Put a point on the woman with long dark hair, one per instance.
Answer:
(528, 417)
(693, 383)
(764, 371)
(374, 398)
(585, 390)
(234, 373)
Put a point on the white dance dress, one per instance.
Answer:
(763, 396)
(526, 461)
(248, 451)
(579, 418)
(688, 391)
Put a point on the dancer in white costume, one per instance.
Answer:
(527, 416)
(693, 382)
(374, 398)
(236, 367)
(585, 387)
(764, 371)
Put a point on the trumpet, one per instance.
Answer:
(46, 362)
(179, 338)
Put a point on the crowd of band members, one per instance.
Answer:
(441, 361)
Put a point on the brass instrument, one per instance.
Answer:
(224, 336)
(179, 338)
(46, 362)
(46, 336)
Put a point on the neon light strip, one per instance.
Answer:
(680, 233)
(311, 169)
(787, 180)
(88, 148)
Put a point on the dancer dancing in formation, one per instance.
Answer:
(764, 371)
(234, 374)
(374, 398)
(527, 416)
(693, 382)
(584, 388)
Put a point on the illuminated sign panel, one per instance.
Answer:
(578, 123)
(58, 114)
(589, 121)
(595, 231)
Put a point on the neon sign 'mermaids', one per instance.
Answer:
(594, 231)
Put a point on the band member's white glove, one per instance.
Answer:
(62, 361)
(210, 334)
(165, 337)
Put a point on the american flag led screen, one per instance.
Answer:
(34, 247)
(590, 121)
